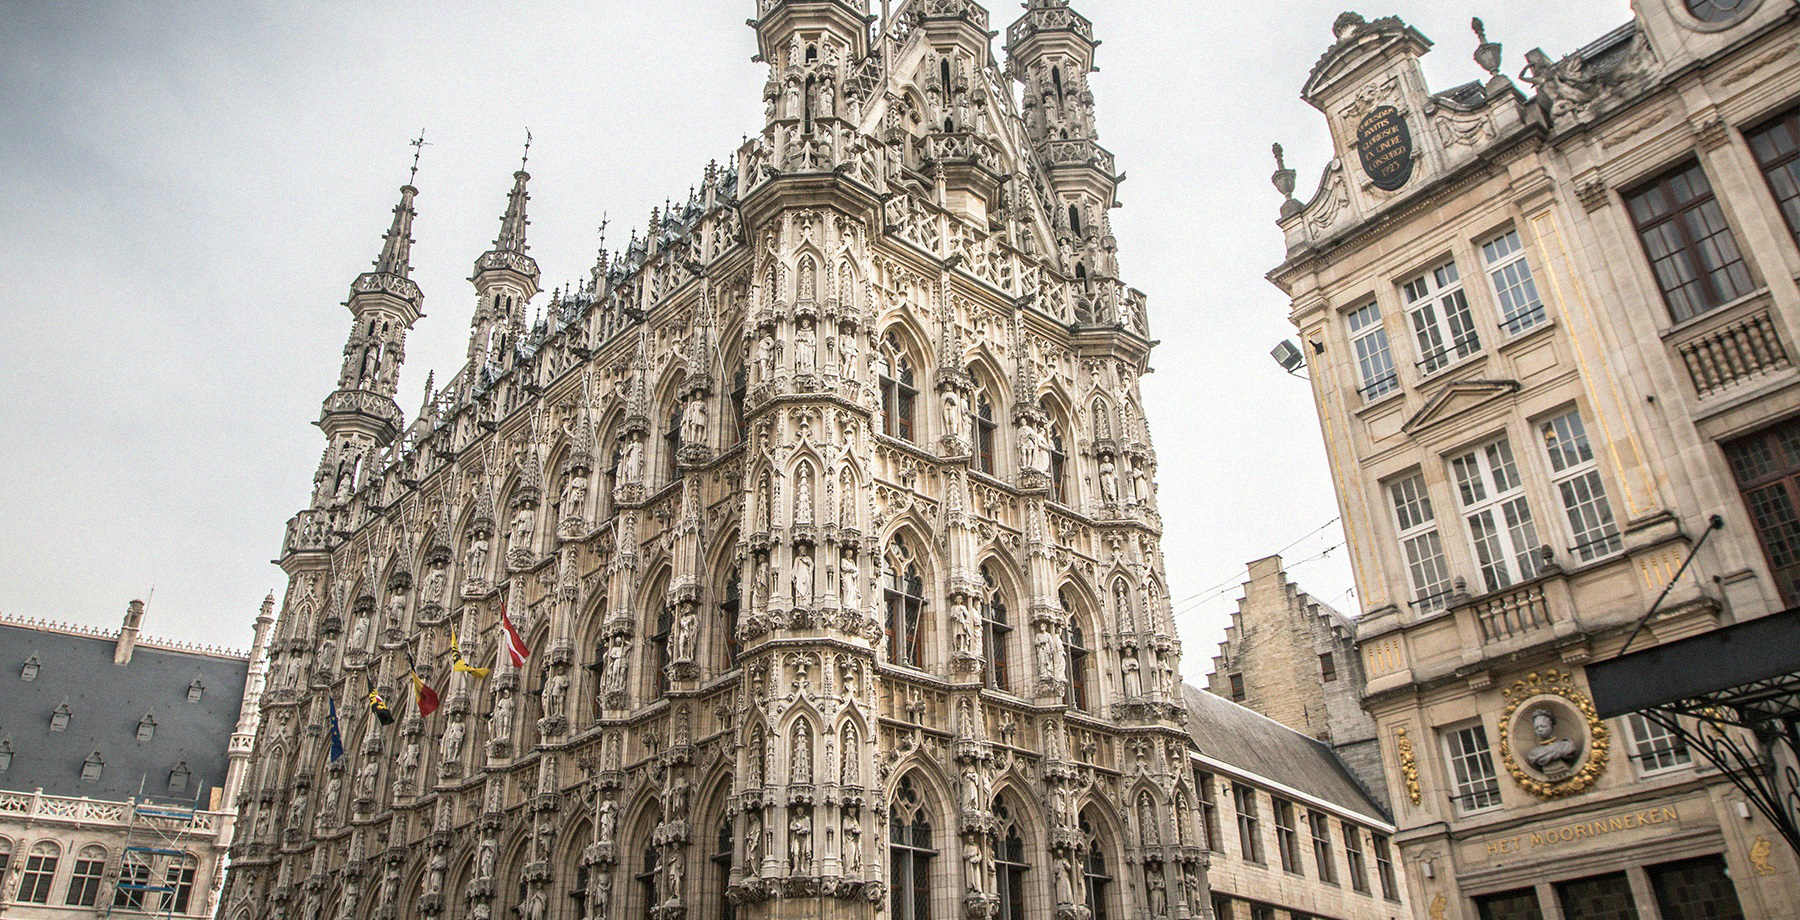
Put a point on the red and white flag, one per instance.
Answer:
(516, 650)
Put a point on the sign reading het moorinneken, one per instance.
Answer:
(1385, 145)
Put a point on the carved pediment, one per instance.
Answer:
(1455, 398)
(1358, 43)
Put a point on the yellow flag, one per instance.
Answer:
(458, 664)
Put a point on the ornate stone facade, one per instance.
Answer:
(1549, 335)
(825, 509)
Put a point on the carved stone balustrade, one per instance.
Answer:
(1730, 347)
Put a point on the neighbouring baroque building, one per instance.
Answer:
(825, 510)
(120, 758)
(1551, 330)
(1293, 659)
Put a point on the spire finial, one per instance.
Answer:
(527, 154)
(418, 146)
(603, 222)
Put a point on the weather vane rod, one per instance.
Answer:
(418, 146)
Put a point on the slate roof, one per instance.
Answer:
(106, 702)
(1254, 743)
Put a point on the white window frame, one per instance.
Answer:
(1375, 372)
(1654, 749)
(1509, 277)
(1502, 530)
(1442, 323)
(1470, 766)
(1575, 475)
(1421, 547)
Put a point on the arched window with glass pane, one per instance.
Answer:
(729, 607)
(721, 860)
(740, 384)
(84, 881)
(1009, 863)
(1075, 656)
(904, 591)
(996, 631)
(672, 441)
(134, 877)
(649, 864)
(1096, 877)
(178, 877)
(983, 425)
(40, 871)
(910, 851)
(898, 389)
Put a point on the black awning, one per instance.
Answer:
(1742, 664)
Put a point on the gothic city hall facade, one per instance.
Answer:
(804, 562)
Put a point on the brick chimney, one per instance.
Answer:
(128, 633)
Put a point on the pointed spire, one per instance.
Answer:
(512, 223)
(396, 246)
(430, 393)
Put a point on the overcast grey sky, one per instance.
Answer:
(189, 189)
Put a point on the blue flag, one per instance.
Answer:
(337, 740)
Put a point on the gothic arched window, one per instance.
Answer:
(672, 440)
(1075, 656)
(983, 426)
(729, 607)
(659, 639)
(721, 860)
(646, 878)
(897, 389)
(904, 593)
(1074, 220)
(1009, 864)
(1095, 876)
(740, 383)
(910, 853)
(995, 630)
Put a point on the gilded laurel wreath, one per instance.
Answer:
(1532, 688)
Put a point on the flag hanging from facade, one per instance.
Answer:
(458, 663)
(423, 696)
(337, 740)
(379, 706)
(516, 650)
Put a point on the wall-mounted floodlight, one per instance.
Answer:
(1287, 354)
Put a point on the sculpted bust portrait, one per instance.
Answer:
(1551, 755)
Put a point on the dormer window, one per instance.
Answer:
(146, 727)
(91, 767)
(6, 752)
(59, 717)
(195, 689)
(30, 670)
(178, 777)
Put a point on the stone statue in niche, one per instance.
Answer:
(396, 610)
(609, 820)
(1047, 649)
(968, 626)
(803, 579)
(852, 844)
(674, 882)
(956, 414)
(849, 583)
(800, 768)
(1109, 480)
(848, 352)
(806, 351)
(1551, 755)
(574, 494)
(803, 494)
(500, 719)
(359, 633)
(523, 521)
(752, 840)
(477, 556)
(1134, 682)
(366, 775)
(433, 590)
(450, 747)
(631, 463)
(613, 677)
(685, 635)
(693, 421)
(484, 860)
(846, 499)
(765, 356)
(556, 690)
(973, 860)
(800, 844)
(1147, 829)
(1034, 448)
